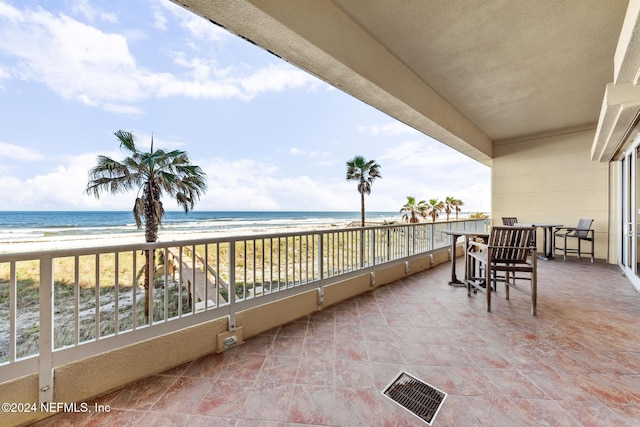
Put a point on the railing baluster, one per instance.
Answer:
(205, 269)
(76, 299)
(180, 283)
(264, 290)
(134, 293)
(97, 296)
(45, 342)
(151, 265)
(165, 270)
(218, 275)
(232, 285)
(116, 289)
(13, 310)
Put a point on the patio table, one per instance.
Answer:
(547, 243)
(455, 234)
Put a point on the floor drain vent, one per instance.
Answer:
(421, 399)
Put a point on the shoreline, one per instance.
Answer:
(46, 243)
(91, 240)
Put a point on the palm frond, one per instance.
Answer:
(127, 140)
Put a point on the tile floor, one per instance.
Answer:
(576, 364)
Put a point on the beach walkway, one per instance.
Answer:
(192, 268)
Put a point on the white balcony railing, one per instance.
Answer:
(60, 306)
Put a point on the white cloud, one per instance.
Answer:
(248, 184)
(198, 27)
(91, 12)
(59, 188)
(428, 169)
(83, 63)
(75, 60)
(4, 75)
(275, 78)
(394, 128)
(11, 151)
(423, 154)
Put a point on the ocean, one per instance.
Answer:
(23, 226)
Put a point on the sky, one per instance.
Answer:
(268, 135)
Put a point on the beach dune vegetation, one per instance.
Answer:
(364, 172)
(153, 174)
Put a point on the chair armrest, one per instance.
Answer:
(568, 229)
(478, 245)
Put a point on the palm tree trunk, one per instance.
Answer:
(362, 206)
(151, 236)
(147, 289)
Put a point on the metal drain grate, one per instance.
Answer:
(420, 398)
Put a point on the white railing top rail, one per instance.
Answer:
(91, 250)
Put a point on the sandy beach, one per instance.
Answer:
(113, 239)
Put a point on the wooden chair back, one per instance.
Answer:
(509, 220)
(510, 244)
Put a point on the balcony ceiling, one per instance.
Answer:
(464, 72)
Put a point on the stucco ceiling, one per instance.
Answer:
(468, 73)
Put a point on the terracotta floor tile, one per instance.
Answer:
(245, 367)
(206, 367)
(269, 402)
(312, 405)
(293, 329)
(124, 418)
(279, 369)
(143, 394)
(353, 374)
(321, 348)
(560, 385)
(350, 350)
(321, 330)
(511, 383)
(460, 410)
(529, 412)
(225, 399)
(592, 414)
(313, 371)
(287, 346)
(384, 352)
(184, 396)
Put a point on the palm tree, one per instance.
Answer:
(365, 172)
(412, 209)
(448, 205)
(433, 208)
(154, 173)
(456, 204)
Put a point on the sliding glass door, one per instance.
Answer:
(630, 214)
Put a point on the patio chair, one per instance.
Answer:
(508, 257)
(509, 220)
(582, 232)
